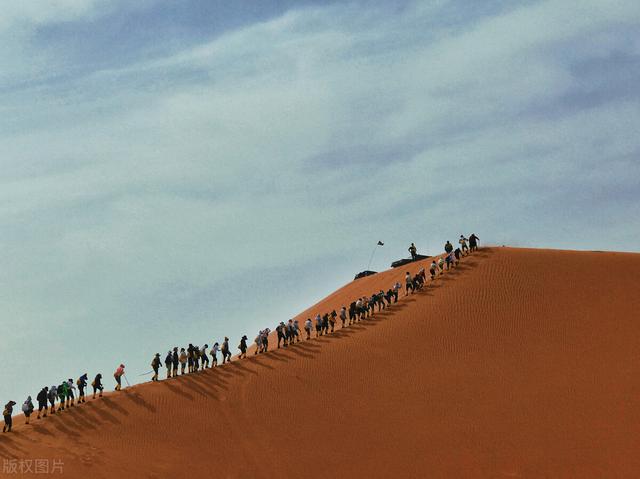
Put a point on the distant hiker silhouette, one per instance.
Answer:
(82, 384)
(42, 400)
(473, 242)
(155, 365)
(448, 247)
(27, 409)
(8, 411)
(97, 385)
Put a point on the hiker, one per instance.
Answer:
(183, 360)
(226, 354)
(291, 333)
(118, 377)
(380, 300)
(457, 253)
(296, 330)
(8, 411)
(258, 343)
(175, 362)
(82, 383)
(265, 340)
(352, 312)
(413, 250)
(70, 394)
(473, 242)
(42, 400)
(62, 395)
(280, 332)
(318, 325)
(448, 260)
(168, 363)
(243, 347)
(97, 385)
(396, 288)
(389, 296)
(204, 357)
(196, 358)
(214, 355)
(332, 320)
(372, 303)
(190, 358)
(155, 365)
(433, 269)
(325, 323)
(463, 244)
(448, 247)
(308, 326)
(408, 283)
(343, 315)
(27, 409)
(441, 264)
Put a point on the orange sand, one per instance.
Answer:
(520, 363)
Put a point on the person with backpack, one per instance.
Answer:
(433, 269)
(457, 254)
(396, 291)
(168, 363)
(473, 242)
(118, 377)
(196, 358)
(42, 400)
(204, 357)
(448, 260)
(280, 333)
(190, 358)
(175, 361)
(441, 264)
(226, 354)
(70, 393)
(343, 315)
(27, 409)
(448, 247)
(332, 320)
(414, 251)
(214, 354)
(7, 413)
(308, 326)
(265, 340)
(243, 347)
(183, 360)
(82, 383)
(408, 283)
(296, 331)
(97, 385)
(463, 244)
(155, 365)
(62, 395)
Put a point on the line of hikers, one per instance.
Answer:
(194, 358)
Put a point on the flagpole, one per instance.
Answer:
(372, 253)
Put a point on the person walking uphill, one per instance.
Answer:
(82, 383)
(226, 354)
(175, 359)
(473, 242)
(155, 365)
(243, 347)
(168, 362)
(8, 411)
(27, 409)
(448, 247)
(42, 401)
(97, 385)
(118, 377)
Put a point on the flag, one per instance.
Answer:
(380, 243)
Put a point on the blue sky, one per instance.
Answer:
(172, 172)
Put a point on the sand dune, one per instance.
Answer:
(520, 363)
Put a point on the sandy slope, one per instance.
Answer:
(521, 363)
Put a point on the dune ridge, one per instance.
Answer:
(519, 363)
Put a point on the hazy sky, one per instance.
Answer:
(175, 171)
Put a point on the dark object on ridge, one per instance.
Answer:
(362, 274)
(404, 261)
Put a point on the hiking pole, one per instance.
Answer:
(125, 378)
(144, 374)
